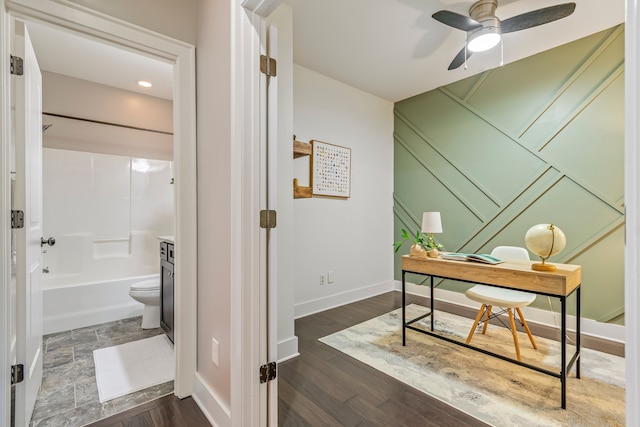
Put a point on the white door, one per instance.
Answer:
(27, 142)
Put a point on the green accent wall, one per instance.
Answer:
(540, 140)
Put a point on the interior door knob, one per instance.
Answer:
(50, 241)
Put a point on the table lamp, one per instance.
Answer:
(431, 223)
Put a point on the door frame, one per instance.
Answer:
(92, 24)
(249, 400)
(632, 206)
(5, 218)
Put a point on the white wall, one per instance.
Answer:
(68, 96)
(214, 133)
(351, 237)
(174, 18)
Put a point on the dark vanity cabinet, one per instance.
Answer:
(166, 288)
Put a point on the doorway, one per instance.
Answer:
(114, 32)
(107, 198)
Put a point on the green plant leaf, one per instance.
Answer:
(420, 238)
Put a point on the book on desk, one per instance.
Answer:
(459, 256)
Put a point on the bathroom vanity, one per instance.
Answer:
(166, 285)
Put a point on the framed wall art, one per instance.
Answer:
(330, 170)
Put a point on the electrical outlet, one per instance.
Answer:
(214, 351)
(323, 279)
(330, 277)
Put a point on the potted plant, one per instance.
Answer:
(423, 244)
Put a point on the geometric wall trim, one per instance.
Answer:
(539, 140)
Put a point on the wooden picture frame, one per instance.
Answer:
(330, 170)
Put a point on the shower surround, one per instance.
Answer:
(105, 213)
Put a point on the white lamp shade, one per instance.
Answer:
(431, 222)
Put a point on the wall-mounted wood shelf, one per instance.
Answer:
(300, 192)
(301, 149)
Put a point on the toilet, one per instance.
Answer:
(147, 292)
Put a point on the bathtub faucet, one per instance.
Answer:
(45, 270)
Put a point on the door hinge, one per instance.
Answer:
(267, 372)
(267, 219)
(16, 65)
(17, 219)
(17, 374)
(268, 66)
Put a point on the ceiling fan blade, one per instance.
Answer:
(459, 59)
(455, 20)
(537, 17)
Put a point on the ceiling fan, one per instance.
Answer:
(484, 29)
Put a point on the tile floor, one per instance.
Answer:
(68, 395)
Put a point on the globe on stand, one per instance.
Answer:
(545, 240)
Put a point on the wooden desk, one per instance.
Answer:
(511, 274)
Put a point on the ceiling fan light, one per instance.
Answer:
(484, 39)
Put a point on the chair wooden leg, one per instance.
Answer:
(475, 323)
(514, 332)
(526, 328)
(486, 320)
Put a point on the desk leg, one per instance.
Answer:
(578, 332)
(404, 331)
(431, 304)
(563, 356)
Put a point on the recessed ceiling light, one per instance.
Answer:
(144, 83)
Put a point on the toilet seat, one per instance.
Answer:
(146, 285)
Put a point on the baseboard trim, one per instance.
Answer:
(336, 300)
(218, 414)
(288, 349)
(595, 335)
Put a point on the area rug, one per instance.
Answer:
(492, 390)
(134, 366)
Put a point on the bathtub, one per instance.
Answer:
(79, 305)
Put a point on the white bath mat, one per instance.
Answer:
(133, 366)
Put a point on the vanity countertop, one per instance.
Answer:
(169, 239)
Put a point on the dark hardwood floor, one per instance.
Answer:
(324, 387)
(167, 411)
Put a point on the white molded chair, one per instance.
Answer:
(507, 299)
